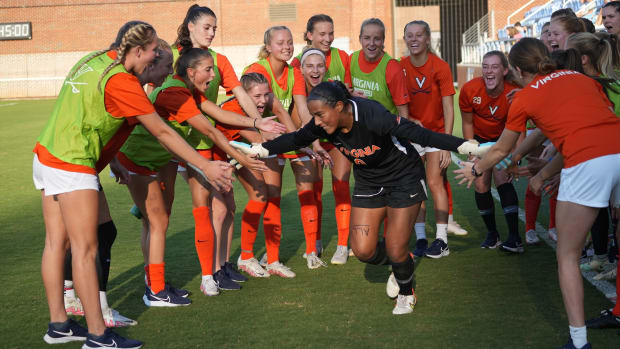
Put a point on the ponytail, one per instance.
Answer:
(601, 48)
(531, 56)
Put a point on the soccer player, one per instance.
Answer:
(560, 28)
(484, 108)
(98, 104)
(387, 169)
(610, 14)
(588, 152)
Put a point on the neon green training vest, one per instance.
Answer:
(284, 96)
(336, 70)
(373, 84)
(80, 126)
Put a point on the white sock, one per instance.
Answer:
(69, 290)
(578, 335)
(103, 299)
(207, 277)
(450, 218)
(420, 230)
(442, 232)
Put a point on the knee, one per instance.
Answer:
(363, 254)
(397, 254)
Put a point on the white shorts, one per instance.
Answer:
(593, 183)
(423, 150)
(55, 181)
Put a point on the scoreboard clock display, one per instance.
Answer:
(16, 31)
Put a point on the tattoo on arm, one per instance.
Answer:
(361, 229)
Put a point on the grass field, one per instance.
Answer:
(472, 299)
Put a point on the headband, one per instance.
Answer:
(312, 51)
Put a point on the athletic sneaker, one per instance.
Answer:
(404, 304)
(110, 339)
(164, 298)
(208, 286)
(135, 211)
(606, 275)
(70, 331)
(491, 241)
(341, 255)
(553, 234)
(277, 268)
(438, 249)
(570, 345)
(392, 288)
(263, 260)
(178, 291)
(224, 282)
(605, 320)
(420, 246)
(252, 267)
(531, 238)
(512, 245)
(232, 273)
(456, 229)
(595, 264)
(113, 318)
(73, 306)
(314, 262)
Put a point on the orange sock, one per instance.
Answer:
(446, 185)
(272, 225)
(309, 216)
(553, 201)
(157, 276)
(318, 198)
(342, 197)
(148, 277)
(204, 239)
(249, 227)
(532, 204)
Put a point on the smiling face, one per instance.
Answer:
(281, 45)
(260, 94)
(372, 40)
(611, 20)
(557, 36)
(201, 74)
(313, 70)
(326, 117)
(202, 31)
(417, 39)
(493, 72)
(144, 56)
(322, 36)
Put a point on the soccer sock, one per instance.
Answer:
(403, 272)
(486, 207)
(69, 290)
(510, 204)
(309, 216)
(68, 268)
(553, 201)
(446, 185)
(616, 310)
(156, 274)
(106, 234)
(532, 204)
(579, 336)
(420, 231)
(380, 256)
(204, 239)
(600, 231)
(442, 232)
(148, 277)
(103, 299)
(342, 197)
(249, 227)
(272, 225)
(317, 187)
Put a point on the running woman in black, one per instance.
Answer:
(387, 169)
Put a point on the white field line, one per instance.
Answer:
(8, 104)
(605, 287)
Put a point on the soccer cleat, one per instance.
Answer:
(570, 345)
(135, 211)
(404, 304)
(456, 229)
(512, 246)
(420, 246)
(531, 238)
(392, 288)
(252, 267)
(438, 249)
(605, 320)
(110, 339)
(277, 268)
(73, 306)
(70, 331)
(492, 241)
(314, 262)
(595, 264)
(232, 273)
(113, 318)
(606, 275)
(263, 261)
(341, 255)
(553, 234)
(164, 298)
(209, 287)
(224, 282)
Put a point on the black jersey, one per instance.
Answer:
(378, 144)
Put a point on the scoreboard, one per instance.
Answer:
(16, 31)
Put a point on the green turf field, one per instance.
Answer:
(472, 299)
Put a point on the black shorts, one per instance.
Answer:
(394, 197)
(484, 140)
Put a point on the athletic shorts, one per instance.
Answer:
(593, 183)
(394, 197)
(56, 181)
(423, 150)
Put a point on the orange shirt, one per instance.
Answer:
(489, 114)
(176, 104)
(572, 110)
(231, 132)
(228, 76)
(344, 57)
(394, 78)
(427, 85)
(299, 87)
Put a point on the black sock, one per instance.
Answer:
(380, 256)
(600, 235)
(486, 207)
(106, 234)
(68, 268)
(403, 272)
(510, 204)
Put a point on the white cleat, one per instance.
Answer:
(607, 275)
(456, 229)
(277, 268)
(392, 288)
(531, 238)
(404, 304)
(208, 286)
(73, 306)
(341, 255)
(553, 234)
(112, 318)
(252, 267)
(314, 262)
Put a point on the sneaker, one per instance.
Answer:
(605, 320)
(135, 211)
(595, 264)
(553, 234)
(73, 306)
(341, 255)
(277, 268)
(531, 238)
(420, 246)
(70, 331)
(492, 240)
(392, 288)
(233, 274)
(164, 298)
(606, 275)
(570, 345)
(314, 262)
(404, 304)
(113, 318)
(263, 260)
(224, 282)
(456, 229)
(178, 291)
(208, 286)
(512, 245)
(110, 339)
(438, 249)
(252, 267)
